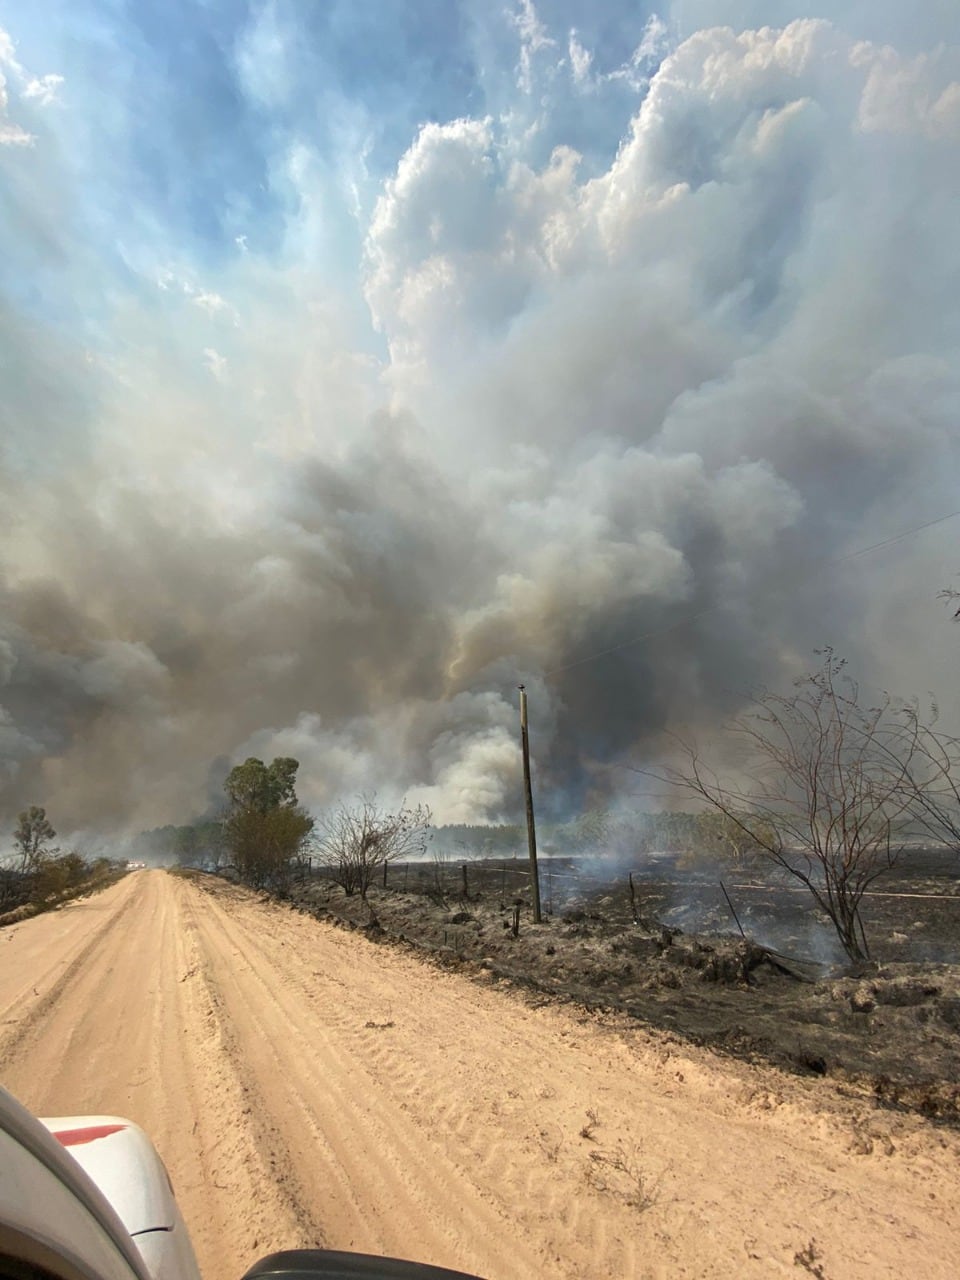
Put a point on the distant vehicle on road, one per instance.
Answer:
(88, 1198)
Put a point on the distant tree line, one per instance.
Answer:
(198, 844)
(601, 832)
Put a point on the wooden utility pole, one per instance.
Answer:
(528, 792)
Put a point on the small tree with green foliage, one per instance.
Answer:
(31, 839)
(265, 828)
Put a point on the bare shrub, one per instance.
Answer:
(622, 1172)
(358, 841)
(593, 1122)
(810, 1259)
(932, 790)
(825, 788)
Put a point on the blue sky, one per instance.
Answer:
(361, 358)
(176, 118)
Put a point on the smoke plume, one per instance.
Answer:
(636, 348)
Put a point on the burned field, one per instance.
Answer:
(671, 954)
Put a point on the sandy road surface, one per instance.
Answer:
(306, 1086)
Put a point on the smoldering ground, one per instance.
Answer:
(662, 395)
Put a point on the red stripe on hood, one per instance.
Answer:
(75, 1137)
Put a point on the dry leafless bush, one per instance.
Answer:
(810, 1258)
(622, 1172)
(358, 841)
(825, 787)
(593, 1122)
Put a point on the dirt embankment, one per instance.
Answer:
(306, 1087)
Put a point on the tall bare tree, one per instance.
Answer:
(824, 786)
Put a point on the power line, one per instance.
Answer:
(702, 613)
(897, 537)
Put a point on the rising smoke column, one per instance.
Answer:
(608, 391)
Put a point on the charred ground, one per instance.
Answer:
(671, 955)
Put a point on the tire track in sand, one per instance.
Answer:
(498, 1092)
(500, 1144)
(133, 1026)
(367, 1172)
(25, 1015)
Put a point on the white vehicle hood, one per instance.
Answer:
(120, 1158)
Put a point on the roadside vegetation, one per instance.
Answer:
(38, 876)
(265, 829)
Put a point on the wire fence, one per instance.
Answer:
(561, 881)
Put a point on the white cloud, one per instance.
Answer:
(655, 41)
(12, 135)
(8, 51)
(43, 89)
(210, 302)
(533, 39)
(919, 95)
(216, 363)
(635, 72)
(580, 59)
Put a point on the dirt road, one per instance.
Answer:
(306, 1086)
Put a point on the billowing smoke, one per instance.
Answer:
(657, 386)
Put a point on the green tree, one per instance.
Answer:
(30, 839)
(265, 828)
(260, 787)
